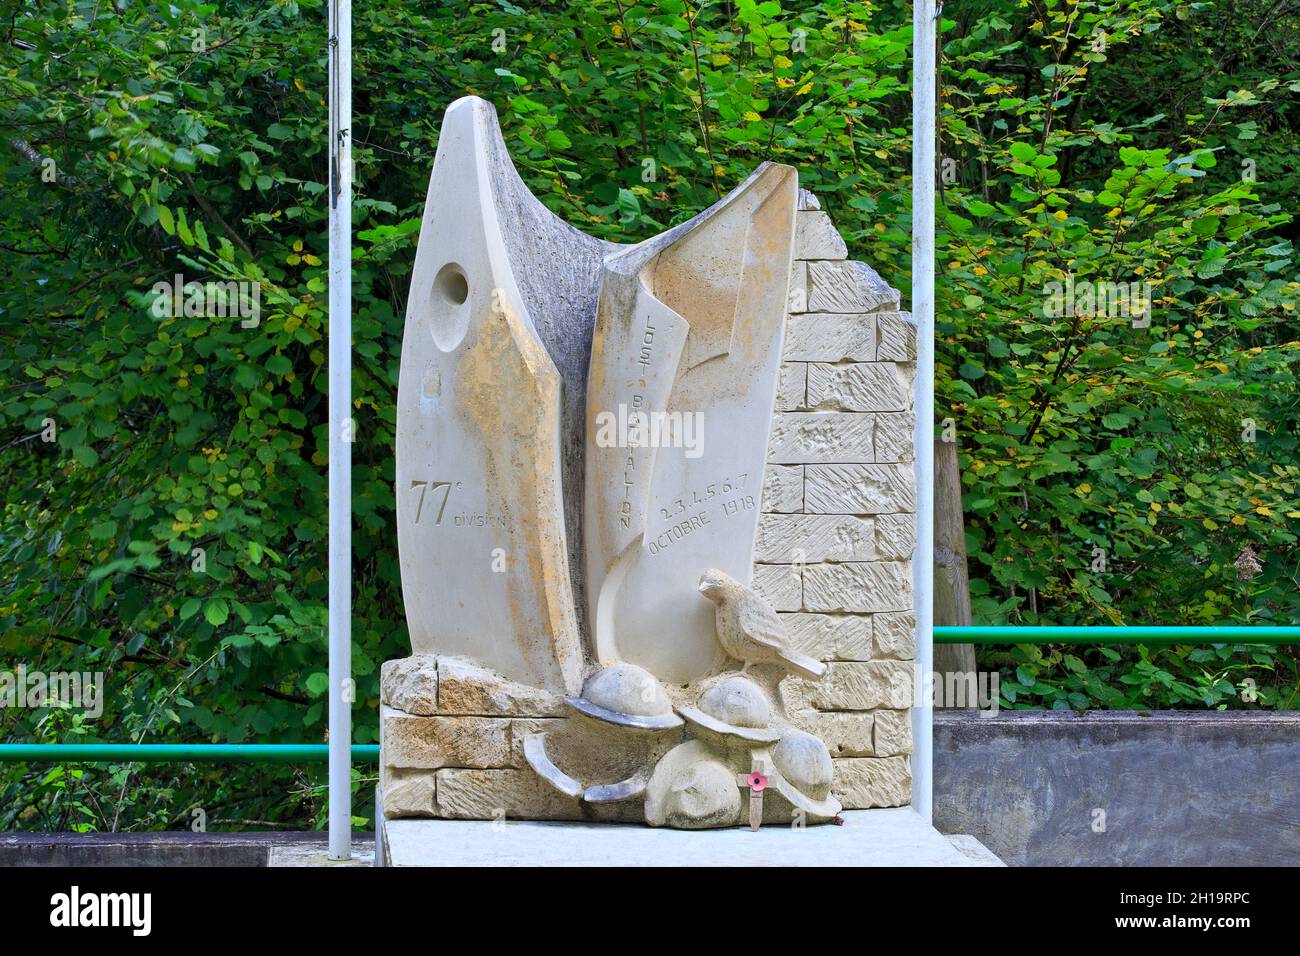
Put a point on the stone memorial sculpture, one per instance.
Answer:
(654, 509)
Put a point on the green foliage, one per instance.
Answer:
(190, 138)
(1119, 468)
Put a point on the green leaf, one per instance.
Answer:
(1023, 152)
(216, 612)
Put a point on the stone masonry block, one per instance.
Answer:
(859, 489)
(845, 734)
(866, 586)
(896, 337)
(408, 793)
(863, 685)
(410, 684)
(783, 488)
(802, 437)
(830, 338)
(501, 794)
(858, 387)
(864, 782)
(893, 437)
(465, 688)
(796, 538)
(827, 637)
(815, 237)
(429, 743)
(894, 635)
(846, 287)
(781, 585)
(895, 536)
(892, 735)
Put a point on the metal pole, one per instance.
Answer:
(340, 430)
(923, 169)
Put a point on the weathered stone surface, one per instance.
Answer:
(807, 200)
(591, 753)
(692, 789)
(689, 322)
(410, 684)
(846, 734)
(895, 536)
(830, 338)
(429, 743)
(521, 727)
(796, 538)
(864, 586)
(893, 437)
(863, 685)
(408, 793)
(802, 437)
(894, 635)
(827, 637)
(817, 238)
(859, 489)
(480, 401)
(862, 782)
(783, 488)
(465, 688)
(858, 387)
(893, 733)
(895, 337)
(499, 795)
(797, 300)
(847, 287)
(792, 386)
(780, 585)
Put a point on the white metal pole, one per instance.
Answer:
(340, 430)
(924, 26)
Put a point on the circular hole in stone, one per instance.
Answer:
(451, 284)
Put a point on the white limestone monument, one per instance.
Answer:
(655, 511)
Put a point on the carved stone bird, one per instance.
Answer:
(749, 628)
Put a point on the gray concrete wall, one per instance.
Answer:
(1175, 788)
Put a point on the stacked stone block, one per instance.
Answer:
(451, 739)
(837, 531)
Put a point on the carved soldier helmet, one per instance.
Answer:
(736, 710)
(627, 696)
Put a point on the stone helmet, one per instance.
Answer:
(627, 696)
(735, 709)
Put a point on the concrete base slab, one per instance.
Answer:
(973, 848)
(890, 837)
(317, 854)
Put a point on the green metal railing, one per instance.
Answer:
(1140, 634)
(182, 753)
(369, 753)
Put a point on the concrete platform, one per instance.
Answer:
(1115, 788)
(892, 837)
(177, 848)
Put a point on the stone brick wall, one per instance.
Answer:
(837, 531)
